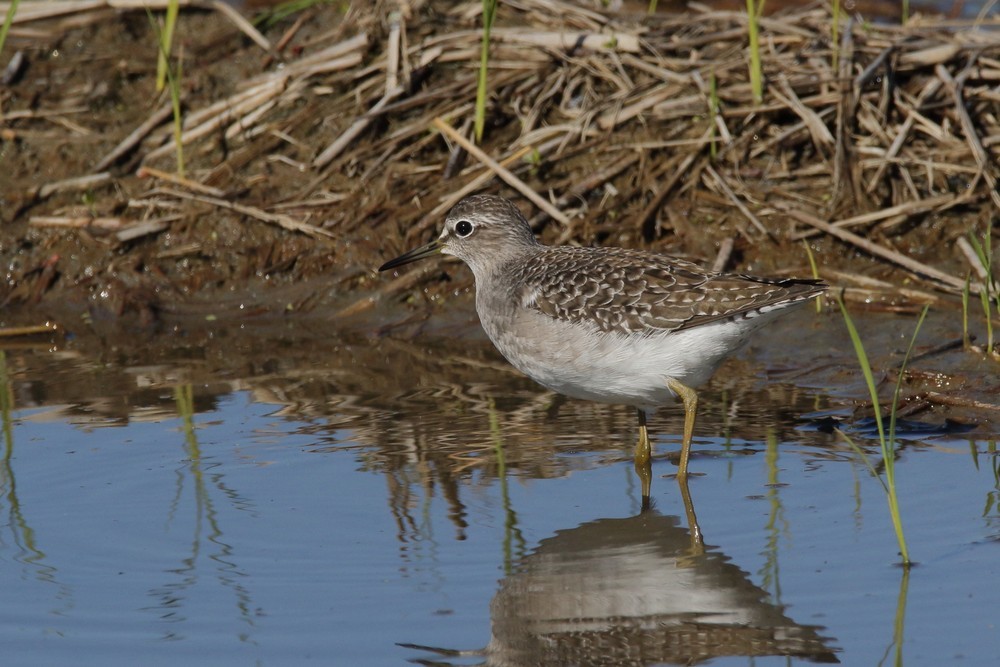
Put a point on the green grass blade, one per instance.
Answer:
(966, 341)
(272, 15)
(8, 21)
(489, 13)
(166, 38)
(899, 378)
(984, 299)
(175, 103)
(886, 441)
(754, 12)
(984, 253)
(866, 368)
(175, 94)
(815, 271)
(890, 460)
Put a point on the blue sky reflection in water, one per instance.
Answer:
(315, 527)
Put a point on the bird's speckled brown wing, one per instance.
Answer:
(631, 291)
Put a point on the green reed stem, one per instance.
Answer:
(966, 341)
(8, 21)
(754, 12)
(489, 13)
(175, 103)
(165, 40)
(815, 271)
(274, 14)
(174, 89)
(886, 441)
(985, 301)
(984, 252)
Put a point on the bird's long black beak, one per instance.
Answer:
(431, 248)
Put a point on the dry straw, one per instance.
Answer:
(861, 135)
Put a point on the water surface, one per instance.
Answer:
(283, 495)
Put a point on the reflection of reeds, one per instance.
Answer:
(208, 536)
(184, 398)
(899, 622)
(6, 407)
(886, 440)
(14, 520)
(777, 523)
(993, 496)
(511, 530)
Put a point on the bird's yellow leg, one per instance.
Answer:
(643, 450)
(690, 400)
(643, 460)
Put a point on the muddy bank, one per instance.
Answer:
(319, 143)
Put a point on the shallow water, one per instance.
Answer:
(282, 495)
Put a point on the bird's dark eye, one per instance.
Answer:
(463, 228)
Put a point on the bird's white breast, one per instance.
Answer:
(629, 369)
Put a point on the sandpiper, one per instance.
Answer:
(606, 324)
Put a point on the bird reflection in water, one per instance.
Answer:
(635, 591)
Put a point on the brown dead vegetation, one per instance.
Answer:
(337, 137)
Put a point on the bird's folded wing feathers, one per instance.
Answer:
(631, 291)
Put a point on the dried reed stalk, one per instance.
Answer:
(605, 112)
